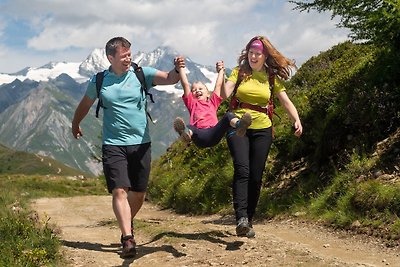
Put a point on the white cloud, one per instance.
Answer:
(206, 31)
(308, 34)
(2, 47)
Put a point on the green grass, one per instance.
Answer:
(193, 188)
(17, 162)
(25, 240)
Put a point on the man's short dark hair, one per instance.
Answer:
(114, 43)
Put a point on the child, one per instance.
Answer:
(205, 130)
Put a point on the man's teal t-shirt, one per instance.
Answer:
(124, 113)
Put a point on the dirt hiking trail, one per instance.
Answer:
(90, 237)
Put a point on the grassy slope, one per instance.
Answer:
(25, 240)
(18, 162)
(348, 101)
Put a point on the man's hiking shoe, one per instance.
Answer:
(128, 247)
(242, 227)
(122, 241)
(181, 129)
(243, 124)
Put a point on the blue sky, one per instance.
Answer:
(35, 32)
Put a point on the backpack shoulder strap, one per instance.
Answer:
(234, 102)
(140, 75)
(271, 79)
(99, 83)
(238, 81)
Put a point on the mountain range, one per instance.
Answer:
(37, 106)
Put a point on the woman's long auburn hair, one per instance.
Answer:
(280, 65)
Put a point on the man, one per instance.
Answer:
(126, 150)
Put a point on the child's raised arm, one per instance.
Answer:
(184, 81)
(220, 82)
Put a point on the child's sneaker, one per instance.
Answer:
(182, 130)
(243, 124)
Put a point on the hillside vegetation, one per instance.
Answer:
(19, 162)
(26, 240)
(344, 170)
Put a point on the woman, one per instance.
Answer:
(259, 65)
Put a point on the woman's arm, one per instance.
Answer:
(227, 89)
(291, 111)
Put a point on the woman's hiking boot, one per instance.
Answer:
(182, 130)
(245, 228)
(251, 233)
(243, 124)
(242, 227)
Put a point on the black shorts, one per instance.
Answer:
(127, 166)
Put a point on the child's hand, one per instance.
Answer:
(219, 66)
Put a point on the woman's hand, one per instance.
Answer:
(219, 66)
(298, 128)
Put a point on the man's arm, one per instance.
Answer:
(80, 113)
(172, 77)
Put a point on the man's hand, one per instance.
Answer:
(179, 62)
(76, 131)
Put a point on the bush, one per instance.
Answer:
(26, 242)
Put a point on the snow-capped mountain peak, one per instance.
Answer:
(161, 58)
(95, 62)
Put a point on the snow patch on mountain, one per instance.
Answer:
(171, 89)
(210, 75)
(8, 78)
(46, 72)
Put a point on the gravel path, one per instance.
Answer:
(90, 238)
